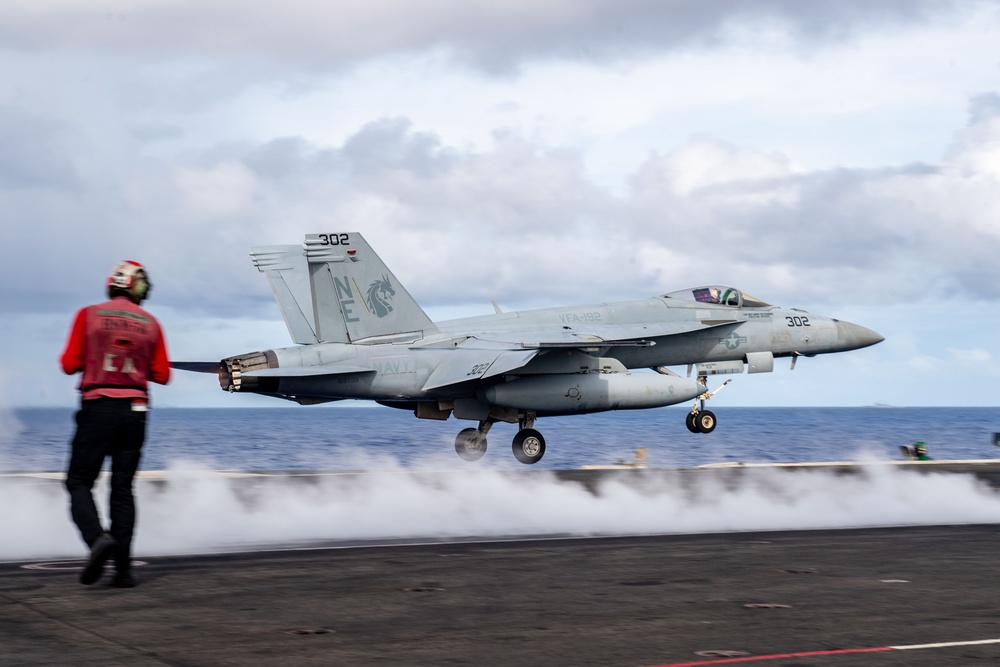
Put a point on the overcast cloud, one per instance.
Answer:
(839, 157)
(495, 35)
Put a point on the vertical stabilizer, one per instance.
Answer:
(288, 273)
(355, 295)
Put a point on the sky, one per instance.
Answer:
(842, 158)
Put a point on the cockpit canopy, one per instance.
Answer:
(720, 295)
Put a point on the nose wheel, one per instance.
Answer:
(700, 420)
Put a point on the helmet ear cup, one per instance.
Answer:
(141, 287)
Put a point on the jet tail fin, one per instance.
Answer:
(355, 297)
(288, 274)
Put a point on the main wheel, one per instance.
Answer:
(706, 421)
(691, 421)
(528, 446)
(470, 444)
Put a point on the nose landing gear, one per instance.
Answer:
(700, 420)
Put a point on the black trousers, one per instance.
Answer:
(106, 427)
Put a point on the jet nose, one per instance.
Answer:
(853, 336)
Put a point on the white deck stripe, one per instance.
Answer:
(945, 644)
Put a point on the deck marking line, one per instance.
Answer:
(945, 644)
(804, 654)
(776, 656)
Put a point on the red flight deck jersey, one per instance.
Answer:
(118, 346)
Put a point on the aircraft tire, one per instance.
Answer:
(528, 446)
(691, 421)
(706, 421)
(470, 445)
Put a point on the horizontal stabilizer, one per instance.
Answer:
(288, 274)
(305, 371)
(196, 366)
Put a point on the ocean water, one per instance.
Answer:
(372, 438)
(198, 511)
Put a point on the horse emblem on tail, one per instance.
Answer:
(380, 293)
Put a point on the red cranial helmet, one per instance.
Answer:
(130, 277)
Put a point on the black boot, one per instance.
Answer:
(123, 580)
(100, 551)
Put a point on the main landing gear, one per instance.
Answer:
(528, 445)
(470, 444)
(700, 420)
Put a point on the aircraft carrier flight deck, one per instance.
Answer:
(889, 595)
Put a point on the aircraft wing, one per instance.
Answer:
(489, 354)
(599, 335)
(463, 365)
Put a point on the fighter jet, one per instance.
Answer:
(360, 335)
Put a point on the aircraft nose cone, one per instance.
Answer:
(853, 336)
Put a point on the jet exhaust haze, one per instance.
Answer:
(199, 510)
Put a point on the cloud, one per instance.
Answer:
(34, 152)
(704, 163)
(924, 231)
(984, 107)
(494, 35)
(965, 361)
(225, 190)
(522, 219)
(814, 154)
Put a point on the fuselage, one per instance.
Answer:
(718, 333)
(782, 331)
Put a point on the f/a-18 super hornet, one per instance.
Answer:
(361, 335)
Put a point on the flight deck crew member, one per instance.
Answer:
(117, 346)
